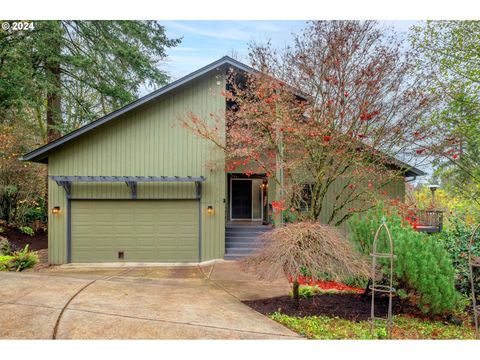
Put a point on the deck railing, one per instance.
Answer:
(430, 220)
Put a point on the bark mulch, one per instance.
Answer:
(38, 241)
(354, 307)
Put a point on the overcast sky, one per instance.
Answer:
(206, 41)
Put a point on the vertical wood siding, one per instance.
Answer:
(394, 190)
(148, 142)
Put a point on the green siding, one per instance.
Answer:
(148, 142)
(395, 189)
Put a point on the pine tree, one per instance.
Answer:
(64, 70)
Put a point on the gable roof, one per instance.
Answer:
(41, 154)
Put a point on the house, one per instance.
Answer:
(134, 186)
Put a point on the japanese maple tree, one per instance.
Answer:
(331, 113)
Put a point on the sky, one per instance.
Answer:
(206, 41)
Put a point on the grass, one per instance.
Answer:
(326, 328)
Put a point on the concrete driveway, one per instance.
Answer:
(196, 302)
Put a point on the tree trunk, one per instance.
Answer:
(54, 100)
(53, 68)
(296, 295)
(54, 109)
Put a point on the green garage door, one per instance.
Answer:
(155, 231)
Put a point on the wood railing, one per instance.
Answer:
(430, 220)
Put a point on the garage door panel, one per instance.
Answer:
(186, 255)
(146, 242)
(146, 256)
(188, 228)
(125, 242)
(125, 232)
(155, 231)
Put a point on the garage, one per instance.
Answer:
(134, 231)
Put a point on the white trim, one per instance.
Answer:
(130, 264)
(230, 201)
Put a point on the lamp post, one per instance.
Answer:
(433, 188)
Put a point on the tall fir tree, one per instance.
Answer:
(63, 74)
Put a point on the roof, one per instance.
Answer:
(410, 171)
(41, 154)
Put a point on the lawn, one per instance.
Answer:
(405, 327)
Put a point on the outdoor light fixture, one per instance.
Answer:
(433, 188)
(210, 210)
(56, 210)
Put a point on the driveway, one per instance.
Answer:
(196, 302)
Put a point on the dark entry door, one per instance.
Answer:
(241, 199)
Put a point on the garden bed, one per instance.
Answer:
(349, 306)
(404, 327)
(342, 316)
(36, 242)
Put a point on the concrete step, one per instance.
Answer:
(234, 256)
(245, 234)
(244, 245)
(237, 255)
(249, 228)
(249, 231)
(237, 250)
(242, 238)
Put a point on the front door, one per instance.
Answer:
(241, 199)
(246, 199)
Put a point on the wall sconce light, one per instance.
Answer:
(56, 210)
(264, 185)
(210, 210)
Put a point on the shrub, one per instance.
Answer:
(5, 262)
(455, 239)
(20, 182)
(306, 247)
(422, 266)
(5, 248)
(23, 259)
(27, 230)
(307, 291)
(33, 211)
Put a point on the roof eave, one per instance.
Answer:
(41, 154)
(413, 171)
